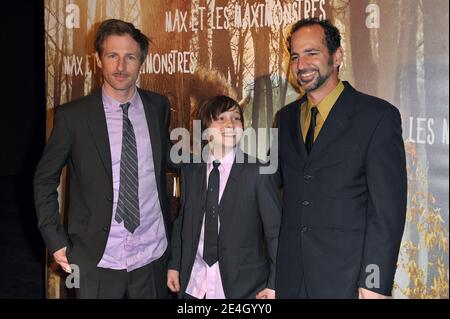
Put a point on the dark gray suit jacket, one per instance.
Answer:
(80, 140)
(250, 215)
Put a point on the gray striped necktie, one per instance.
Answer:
(128, 203)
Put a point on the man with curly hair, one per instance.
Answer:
(343, 168)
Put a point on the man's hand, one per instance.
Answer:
(61, 259)
(173, 280)
(266, 294)
(367, 294)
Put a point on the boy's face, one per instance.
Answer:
(226, 131)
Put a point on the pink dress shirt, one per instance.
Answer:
(205, 280)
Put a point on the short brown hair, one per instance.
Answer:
(211, 108)
(119, 27)
(332, 35)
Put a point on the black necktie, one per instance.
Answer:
(210, 248)
(128, 202)
(310, 135)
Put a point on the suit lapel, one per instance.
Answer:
(336, 122)
(199, 179)
(99, 130)
(153, 125)
(232, 187)
(296, 132)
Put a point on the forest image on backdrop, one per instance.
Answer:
(203, 48)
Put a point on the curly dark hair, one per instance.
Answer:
(332, 34)
(119, 27)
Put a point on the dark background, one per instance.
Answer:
(22, 138)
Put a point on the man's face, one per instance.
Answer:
(311, 64)
(120, 64)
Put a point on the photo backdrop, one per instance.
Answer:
(397, 50)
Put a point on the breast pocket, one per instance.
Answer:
(330, 160)
(342, 148)
(336, 155)
(341, 171)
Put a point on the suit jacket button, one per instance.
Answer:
(304, 229)
(109, 199)
(306, 203)
(307, 177)
(105, 228)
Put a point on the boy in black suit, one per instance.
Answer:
(226, 235)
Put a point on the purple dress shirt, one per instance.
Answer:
(125, 250)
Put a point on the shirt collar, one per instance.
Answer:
(226, 162)
(112, 104)
(328, 102)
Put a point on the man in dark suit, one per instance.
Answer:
(114, 144)
(343, 169)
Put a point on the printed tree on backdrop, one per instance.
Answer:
(80, 48)
(222, 59)
(174, 86)
(99, 16)
(203, 58)
(283, 65)
(361, 47)
(389, 55)
(262, 111)
(56, 40)
(241, 66)
(239, 39)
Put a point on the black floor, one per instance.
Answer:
(21, 248)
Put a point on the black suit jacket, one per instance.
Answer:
(344, 204)
(80, 140)
(250, 216)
